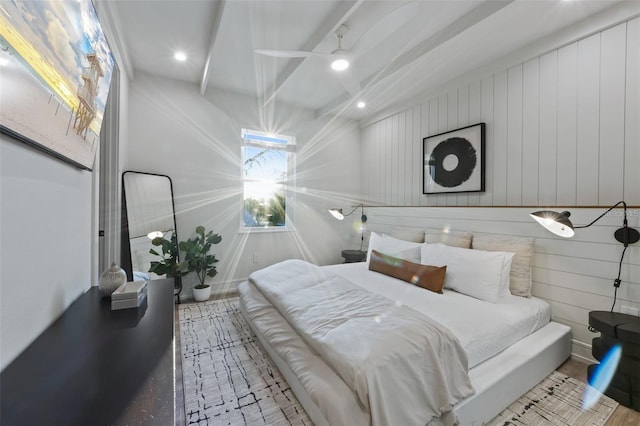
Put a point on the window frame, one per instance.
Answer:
(259, 139)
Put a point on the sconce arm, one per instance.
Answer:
(603, 214)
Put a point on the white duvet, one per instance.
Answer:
(483, 328)
(391, 356)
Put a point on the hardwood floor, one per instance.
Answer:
(622, 416)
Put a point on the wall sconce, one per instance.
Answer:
(559, 224)
(338, 214)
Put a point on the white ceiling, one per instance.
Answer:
(395, 46)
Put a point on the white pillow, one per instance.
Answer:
(476, 273)
(406, 250)
(520, 277)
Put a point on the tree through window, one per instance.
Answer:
(267, 172)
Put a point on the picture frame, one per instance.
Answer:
(453, 161)
(56, 71)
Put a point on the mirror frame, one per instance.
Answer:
(125, 246)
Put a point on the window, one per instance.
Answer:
(268, 167)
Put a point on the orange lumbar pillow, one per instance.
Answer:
(425, 276)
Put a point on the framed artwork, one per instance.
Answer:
(56, 69)
(454, 161)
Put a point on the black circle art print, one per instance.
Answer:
(452, 162)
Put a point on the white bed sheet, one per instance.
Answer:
(484, 329)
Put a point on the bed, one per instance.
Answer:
(507, 344)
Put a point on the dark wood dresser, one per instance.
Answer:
(624, 330)
(95, 366)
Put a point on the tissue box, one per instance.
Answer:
(129, 295)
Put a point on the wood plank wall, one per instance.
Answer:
(574, 275)
(563, 129)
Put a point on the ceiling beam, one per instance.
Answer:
(460, 25)
(330, 25)
(215, 27)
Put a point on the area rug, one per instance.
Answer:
(230, 380)
(557, 400)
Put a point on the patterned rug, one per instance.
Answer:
(230, 380)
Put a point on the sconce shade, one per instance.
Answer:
(558, 223)
(337, 213)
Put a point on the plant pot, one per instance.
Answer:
(201, 294)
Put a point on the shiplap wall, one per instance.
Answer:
(562, 129)
(574, 275)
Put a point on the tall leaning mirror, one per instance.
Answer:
(148, 212)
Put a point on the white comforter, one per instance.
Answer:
(390, 356)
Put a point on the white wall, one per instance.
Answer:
(195, 140)
(46, 242)
(562, 130)
(49, 235)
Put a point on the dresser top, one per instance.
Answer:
(91, 363)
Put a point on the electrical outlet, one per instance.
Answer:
(256, 258)
(629, 310)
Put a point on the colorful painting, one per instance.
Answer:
(55, 71)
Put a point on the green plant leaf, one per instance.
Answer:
(196, 254)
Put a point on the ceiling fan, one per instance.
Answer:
(340, 63)
(373, 36)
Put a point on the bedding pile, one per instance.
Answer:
(391, 356)
(391, 340)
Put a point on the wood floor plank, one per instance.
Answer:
(622, 416)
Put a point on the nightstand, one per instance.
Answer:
(352, 256)
(617, 328)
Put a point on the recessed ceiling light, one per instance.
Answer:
(361, 104)
(340, 64)
(180, 56)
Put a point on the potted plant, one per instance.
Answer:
(168, 265)
(198, 259)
